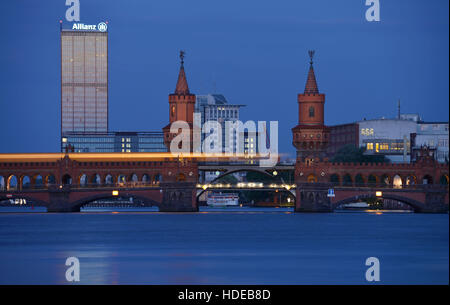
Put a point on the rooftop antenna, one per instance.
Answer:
(398, 109)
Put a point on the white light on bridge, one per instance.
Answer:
(115, 193)
(378, 193)
(275, 173)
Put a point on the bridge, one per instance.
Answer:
(66, 182)
(63, 182)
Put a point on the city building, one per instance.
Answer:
(388, 137)
(84, 80)
(214, 107)
(113, 142)
(433, 135)
(342, 135)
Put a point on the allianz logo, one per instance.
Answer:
(102, 27)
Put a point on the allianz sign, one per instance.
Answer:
(102, 27)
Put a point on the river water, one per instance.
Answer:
(216, 246)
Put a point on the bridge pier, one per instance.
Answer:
(312, 197)
(436, 201)
(178, 197)
(59, 202)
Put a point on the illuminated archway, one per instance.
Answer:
(12, 183)
(397, 182)
(411, 180)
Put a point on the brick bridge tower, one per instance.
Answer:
(181, 106)
(311, 136)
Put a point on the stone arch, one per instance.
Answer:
(416, 205)
(50, 179)
(38, 181)
(372, 180)
(359, 180)
(25, 182)
(83, 180)
(443, 180)
(347, 180)
(109, 179)
(157, 178)
(334, 178)
(12, 183)
(397, 181)
(385, 180)
(427, 179)
(66, 180)
(121, 178)
(133, 178)
(411, 180)
(96, 179)
(84, 201)
(146, 178)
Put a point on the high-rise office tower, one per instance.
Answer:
(84, 80)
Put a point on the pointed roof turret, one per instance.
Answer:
(311, 84)
(182, 87)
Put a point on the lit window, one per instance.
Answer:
(369, 146)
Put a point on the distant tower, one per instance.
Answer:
(310, 136)
(398, 109)
(181, 104)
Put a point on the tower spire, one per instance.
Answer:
(182, 87)
(311, 84)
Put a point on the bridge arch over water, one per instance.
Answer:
(414, 204)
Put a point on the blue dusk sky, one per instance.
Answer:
(254, 51)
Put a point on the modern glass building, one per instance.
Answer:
(113, 142)
(84, 81)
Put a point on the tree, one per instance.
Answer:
(350, 153)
